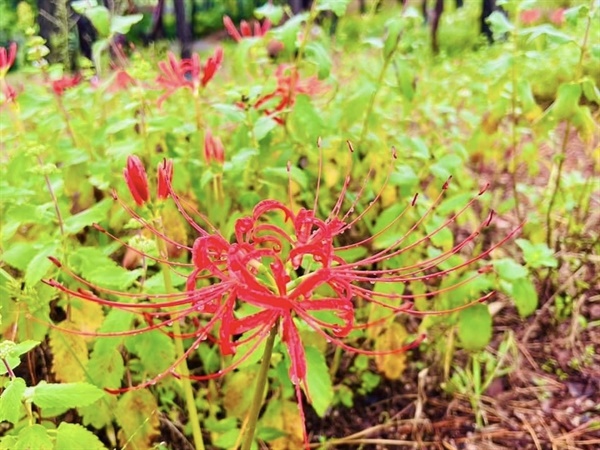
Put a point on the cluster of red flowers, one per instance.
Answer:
(289, 85)
(188, 73)
(533, 16)
(246, 30)
(65, 83)
(286, 264)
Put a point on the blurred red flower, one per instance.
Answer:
(7, 58)
(187, 73)
(136, 179)
(253, 29)
(64, 83)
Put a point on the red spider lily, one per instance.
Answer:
(288, 266)
(289, 85)
(7, 59)
(255, 29)
(136, 179)
(64, 83)
(165, 174)
(187, 73)
(530, 16)
(213, 149)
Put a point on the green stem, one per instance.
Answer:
(261, 384)
(369, 110)
(183, 368)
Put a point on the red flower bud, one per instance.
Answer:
(165, 175)
(136, 179)
(213, 149)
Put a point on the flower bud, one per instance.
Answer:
(213, 149)
(165, 176)
(136, 179)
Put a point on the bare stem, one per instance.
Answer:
(183, 368)
(261, 384)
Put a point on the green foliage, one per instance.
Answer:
(507, 114)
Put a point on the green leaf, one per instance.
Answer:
(297, 174)
(337, 6)
(320, 388)
(40, 264)
(71, 436)
(549, 32)
(475, 327)
(263, 126)
(11, 353)
(525, 296)
(500, 24)
(272, 12)
(58, 398)
(537, 255)
(394, 31)
(122, 24)
(567, 101)
(318, 54)
(11, 406)
(96, 213)
(509, 269)
(155, 350)
(34, 437)
(100, 18)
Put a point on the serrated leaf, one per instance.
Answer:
(137, 414)
(475, 327)
(69, 354)
(70, 436)
(537, 255)
(392, 338)
(525, 296)
(40, 264)
(320, 387)
(34, 437)
(106, 368)
(11, 353)
(100, 413)
(155, 350)
(61, 397)
(96, 213)
(11, 406)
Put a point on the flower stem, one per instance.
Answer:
(259, 391)
(186, 384)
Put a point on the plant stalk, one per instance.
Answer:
(186, 383)
(261, 384)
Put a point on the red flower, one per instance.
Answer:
(9, 94)
(7, 59)
(64, 83)
(246, 30)
(558, 16)
(165, 175)
(122, 80)
(530, 16)
(187, 73)
(136, 179)
(289, 85)
(286, 270)
(213, 149)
